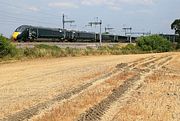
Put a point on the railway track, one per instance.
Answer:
(140, 69)
(65, 44)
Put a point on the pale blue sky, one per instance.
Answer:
(142, 15)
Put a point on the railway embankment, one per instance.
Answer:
(10, 50)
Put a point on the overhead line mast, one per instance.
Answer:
(107, 29)
(100, 33)
(66, 21)
(128, 29)
(129, 33)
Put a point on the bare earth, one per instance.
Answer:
(142, 87)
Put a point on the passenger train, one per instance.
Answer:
(35, 34)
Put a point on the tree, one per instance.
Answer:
(154, 43)
(176, 26)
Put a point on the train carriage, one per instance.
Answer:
(26, 33)
(33, 33)
(85, 36)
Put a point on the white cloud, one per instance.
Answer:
(116, 4)
(108, 2)
(140, 2)
(140, 12)
(111, 4)
(64, 5)
(93, 2)
(115, 8)
(33, 8)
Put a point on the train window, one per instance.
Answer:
(20, 29)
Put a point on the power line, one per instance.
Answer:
(27, 15)
(8, 16)
(23, 18)
(14, 20)
(22, 8)
(11, 22)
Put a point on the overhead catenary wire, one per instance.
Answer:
(23, 22)
(24, 8)
(18, 14)
(10, 17)
(28, 18)
(28, 15)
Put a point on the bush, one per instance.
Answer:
(43, 50)
(72, 51)
(131, 49)
(154, 43)
(88, 51)
(116, 49)
(178, 43)
(7, 48)
(104, 50)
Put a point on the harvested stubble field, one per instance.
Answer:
(109, 88)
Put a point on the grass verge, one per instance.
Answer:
(8, 50)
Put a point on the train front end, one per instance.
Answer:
(21, 33)
(15, 36)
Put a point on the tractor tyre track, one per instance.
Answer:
(34, 110)
(97, 111)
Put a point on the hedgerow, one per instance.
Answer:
(146, 44)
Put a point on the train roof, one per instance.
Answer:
(57, 29)
(30, 26)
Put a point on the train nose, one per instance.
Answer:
(15, 35)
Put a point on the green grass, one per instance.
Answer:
(46, 51)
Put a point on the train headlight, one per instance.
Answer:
(15, 34)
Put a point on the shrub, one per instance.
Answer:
(7, 48)
(131, 49)
(144, 44)
(154, 43)
(72, 51)
(104, 50)
(178, 43)
(43, 50)
(116, 49)
(28, 52)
